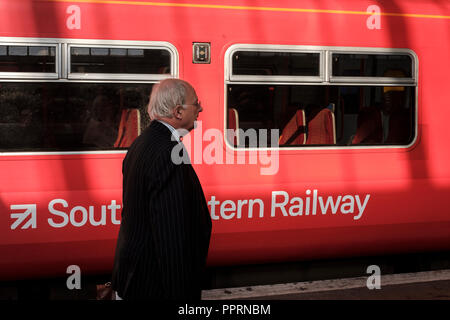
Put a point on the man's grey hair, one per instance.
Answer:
(166, 95)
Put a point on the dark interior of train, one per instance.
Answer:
(361, 115)
(367, 101)
(53, 116)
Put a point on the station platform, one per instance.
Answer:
(430, 285)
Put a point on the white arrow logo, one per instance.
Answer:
(30, 212)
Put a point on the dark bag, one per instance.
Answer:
(105, 292)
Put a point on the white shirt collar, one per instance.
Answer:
(175, 134)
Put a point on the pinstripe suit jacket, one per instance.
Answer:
(166, 227)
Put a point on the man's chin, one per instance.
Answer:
(194, 125)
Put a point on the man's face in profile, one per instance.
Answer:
(192, 109)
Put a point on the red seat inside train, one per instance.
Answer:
(322, 128)
(294, 133)
(233, 124)
(129, 128)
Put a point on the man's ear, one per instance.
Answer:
(178, 112)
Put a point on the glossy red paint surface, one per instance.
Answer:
(409, 205)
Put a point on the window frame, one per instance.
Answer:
(119, 76)
(272, 48)
(62, 75)
(33, 75)
(372, 80)
(326, 79)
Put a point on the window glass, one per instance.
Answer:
(333, 115)
(53, 116)
(372, 65)
(118, 60)
(325, 114)
(119, 52)
(276, 63)
(99, 51)
(27, 58)
(38, 51)
(18, 51)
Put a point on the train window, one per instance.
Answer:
(53, 116)
(334, 115)
(330, 113)
(28, 59)
(66, 114)
(372, 65)
(276, 63)
(102, 60)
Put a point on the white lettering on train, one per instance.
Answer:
(347, 204)
(282, 204)
(79, 215)
(240, 206)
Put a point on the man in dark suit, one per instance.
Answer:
(166, 227)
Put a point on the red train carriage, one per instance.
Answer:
(324, 132)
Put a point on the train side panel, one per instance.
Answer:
(392, 199)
